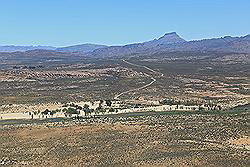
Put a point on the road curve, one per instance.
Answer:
(143, 87)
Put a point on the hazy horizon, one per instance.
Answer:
(117, 44)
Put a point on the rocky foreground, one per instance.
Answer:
(143, 139)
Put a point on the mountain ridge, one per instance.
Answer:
(168, 42)
(84, 48)
(173, 42)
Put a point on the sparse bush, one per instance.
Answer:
(111, 110)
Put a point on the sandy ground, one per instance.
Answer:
(243, 142)
(9, 116)
(22, 111)
(6, 116)
(21, 108)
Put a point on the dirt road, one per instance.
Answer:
(143, 87)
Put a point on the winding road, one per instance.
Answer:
(143, 87)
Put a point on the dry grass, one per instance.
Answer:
(164, 140)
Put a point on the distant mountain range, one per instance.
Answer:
(75, 48)
(168, 43)
(81, 48)
(12, 48)
(173, 42)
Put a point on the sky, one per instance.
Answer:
(118, 22)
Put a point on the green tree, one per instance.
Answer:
(46, 112)
(53, 112)
(64, 110)
(86, 110)
(100, 103)
(108, 102)
(72, 111)
(100, 110)
(111, 110)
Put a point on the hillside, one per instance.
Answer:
(81, 48)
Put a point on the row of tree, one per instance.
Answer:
(74, 109)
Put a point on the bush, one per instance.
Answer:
(108, 102)
(45, 112)
(70, 111)
(111, 110)
(168, 102)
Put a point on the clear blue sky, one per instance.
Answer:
(68, 22)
